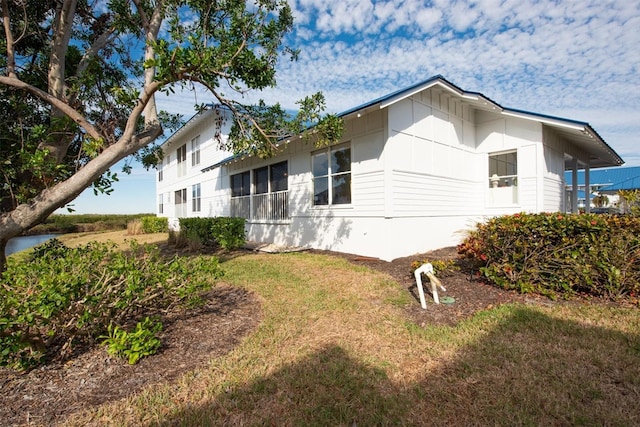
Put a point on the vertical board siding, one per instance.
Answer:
(527, 192)
(553, 195)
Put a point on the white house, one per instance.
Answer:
(414, 171)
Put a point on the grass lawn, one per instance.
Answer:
(335, 347)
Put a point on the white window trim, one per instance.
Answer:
(195, 151)
(331, 206)
(491, 200)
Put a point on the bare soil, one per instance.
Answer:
(47, 395)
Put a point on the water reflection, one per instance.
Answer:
(21, 243)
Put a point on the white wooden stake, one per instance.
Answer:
(427, 269)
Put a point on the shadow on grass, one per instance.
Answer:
(531, 369)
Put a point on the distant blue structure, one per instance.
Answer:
(608, 180)
(604, 181)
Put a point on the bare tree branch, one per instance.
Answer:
(151, 29)
(6, 22)
(62, 25)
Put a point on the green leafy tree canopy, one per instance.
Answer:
(78, 81)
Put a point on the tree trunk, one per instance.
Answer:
(62, 25)
(27, 215)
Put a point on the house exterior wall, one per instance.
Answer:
(347, 228)
(212, 188)
(553, 180)
(419, 178)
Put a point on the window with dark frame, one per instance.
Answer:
(261, 180)
(181, 155)
(180, 202)
(279, 177)
(267, 187)
(241, 184)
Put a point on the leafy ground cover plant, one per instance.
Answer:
(65, 296)
(559, 254)
(141, 342)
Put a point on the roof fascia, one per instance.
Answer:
(583, 127)
(444, 84)
(550, 120)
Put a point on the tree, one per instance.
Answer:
(79, 81)
(601, 200)
(630, 201)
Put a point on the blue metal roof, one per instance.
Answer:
(609, 179)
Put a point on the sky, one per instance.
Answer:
(575, 59)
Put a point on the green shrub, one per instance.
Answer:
(70, 295)
(225, 232)
(86, 222)
(198, 230)
(442, 268)
(154, 224)
(559, 254)
(141, 342)
(229, 232)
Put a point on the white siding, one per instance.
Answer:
(419, 177)
(428, 195)
(211, 183)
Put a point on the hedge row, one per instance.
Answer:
(559, 254)
(155, 224)
(225, 232)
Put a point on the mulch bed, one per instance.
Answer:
(48, 394)
(470, 294)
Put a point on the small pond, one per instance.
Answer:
(21, 243)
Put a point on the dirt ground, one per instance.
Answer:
(48, 394)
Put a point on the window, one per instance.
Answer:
(181, 154)
(261, 180)
(180, 199)
(271, 179)
(503, 177)
(240, 184)
(160, 204)
(195, 151)
(164, 162)
(240, 195)
(270, 198)
(261, 194)
(332, 176)
(195, 198)
(279, 177)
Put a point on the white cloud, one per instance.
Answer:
(579, 60)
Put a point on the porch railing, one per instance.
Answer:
(262, 207)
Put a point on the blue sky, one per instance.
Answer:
(577, 59)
